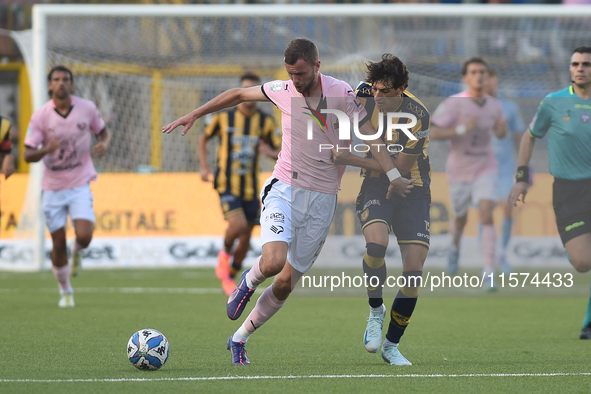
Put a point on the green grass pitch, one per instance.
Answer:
(456, 345)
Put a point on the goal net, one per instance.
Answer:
(144, 66)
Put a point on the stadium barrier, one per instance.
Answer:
(174, 220)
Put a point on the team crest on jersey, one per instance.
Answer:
(395, 137)
(81, 126)
(585, 117)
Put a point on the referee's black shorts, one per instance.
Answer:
(572, 206)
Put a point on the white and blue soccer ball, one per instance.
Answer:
(148, 349)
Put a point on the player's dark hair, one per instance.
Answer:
(472, 60)
(391, 71)
(250, 76)
(60, 68)
(582, 49)
(301, 48)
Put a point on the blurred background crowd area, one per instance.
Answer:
(124, 63)
(16, 14)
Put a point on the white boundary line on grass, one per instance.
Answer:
(131, 290)
(257, 377)
(140, 290)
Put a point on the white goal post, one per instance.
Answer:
(143, 60)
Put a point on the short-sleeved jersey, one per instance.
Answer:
(470, 155)
(237, 154)
(421, 169)
(5, 142)
(303, 162)
(70, 165)
(566, 118)
(504, 147)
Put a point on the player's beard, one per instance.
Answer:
(308, 86)
(61, 94)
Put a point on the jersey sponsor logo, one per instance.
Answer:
(371, 202)
(66, 167)
(277, 217)
(275, 86)
(582, 106)
(574, 225)
(585, 117)
(277, 229)
(567, 117)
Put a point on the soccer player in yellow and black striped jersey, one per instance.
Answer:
(383, 92)
(244, 133)
(6, 157)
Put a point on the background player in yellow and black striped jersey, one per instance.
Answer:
(244, 132)
(6, 157)
(383, 92)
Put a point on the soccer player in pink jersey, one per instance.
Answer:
(299, 200)
(469, 120)
(60, 134)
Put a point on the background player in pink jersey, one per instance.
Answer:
(299, 200)
(60, 134)
(469, 120)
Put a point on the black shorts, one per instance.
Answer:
(252, 209)
(409, 219)
(572, 206)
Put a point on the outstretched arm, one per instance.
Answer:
(526, 148)
(227, 99)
